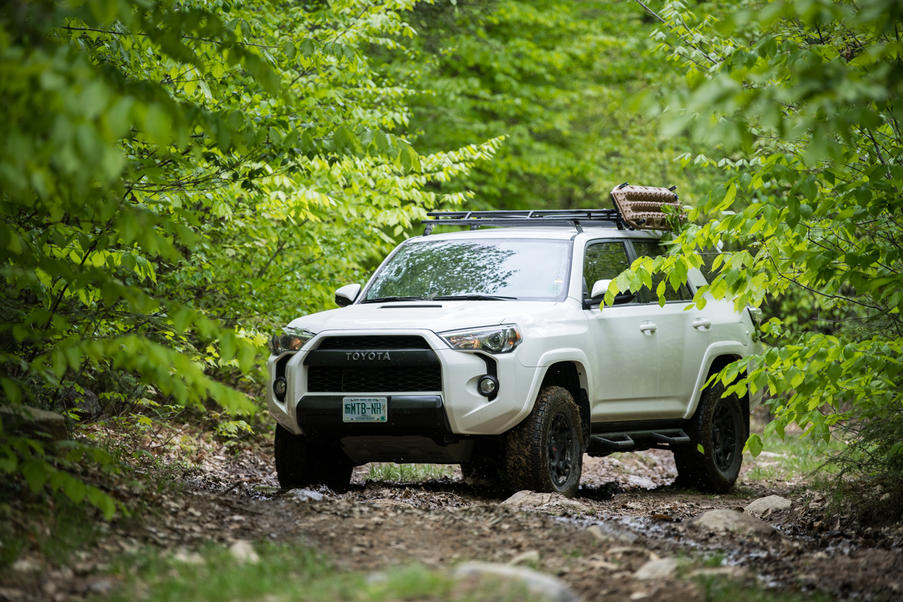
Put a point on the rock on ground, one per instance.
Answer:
(731, 521)
(33, 421)
(608, 533)
(546, 502)
(727, 572)
(764, 506)
(84, 401)
(660, 568)
(187, 557)
(101, 587)
(305, 495)
(243, 552)
(528, 557)
(534, 582)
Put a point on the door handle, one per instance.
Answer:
(701, 324)
(648, 328)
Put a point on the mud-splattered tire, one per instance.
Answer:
(300, 462)
(545, 451)
(719, 426)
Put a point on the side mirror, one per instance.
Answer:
(600, 287)
(347, 294)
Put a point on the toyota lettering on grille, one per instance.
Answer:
(367, 356)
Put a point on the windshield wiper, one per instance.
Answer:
(385, 299)
(473, 297)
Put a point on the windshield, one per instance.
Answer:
(525, 269)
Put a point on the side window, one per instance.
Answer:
(651, 248)
(603, 260)
(708, 256)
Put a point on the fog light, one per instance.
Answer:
(488, 385)
(279, 388)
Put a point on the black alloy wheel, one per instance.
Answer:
(719, 428)
(724, 437)
(545, 451)
(561, 450)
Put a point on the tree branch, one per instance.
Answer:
(691, 43)
(147, 35)
(822, 293)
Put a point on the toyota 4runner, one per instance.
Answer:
(488, 348)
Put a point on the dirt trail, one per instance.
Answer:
(625, 514)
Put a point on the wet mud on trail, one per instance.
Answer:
(628, 534)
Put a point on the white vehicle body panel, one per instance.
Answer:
(636, 361)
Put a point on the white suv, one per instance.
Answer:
(488, 348)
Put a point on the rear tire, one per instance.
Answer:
(545, 451)
(719, 426)
(301, 462)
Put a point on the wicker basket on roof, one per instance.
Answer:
(642, 206)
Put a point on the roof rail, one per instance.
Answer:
(573, 218)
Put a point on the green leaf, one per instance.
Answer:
(36, 473)
(74, 489)
(101, 501)
(754, 444)
(158, 125)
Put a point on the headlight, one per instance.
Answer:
(291, 339)
(495, 339)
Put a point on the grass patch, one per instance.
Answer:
(408, 473)
(283, 572)
(792, 456)
(722, 589)
(50, 525)
(10, 544)
(713, 560)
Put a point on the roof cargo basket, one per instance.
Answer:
(644, 206)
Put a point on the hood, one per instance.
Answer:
(438, 316)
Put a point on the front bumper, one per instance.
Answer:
(407, 415)
(456, 409)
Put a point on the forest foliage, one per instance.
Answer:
(179, 178)
(798, 102)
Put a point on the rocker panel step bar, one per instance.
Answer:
(607, 443)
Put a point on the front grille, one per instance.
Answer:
(413, 366)
(370, 342)
(355, 379)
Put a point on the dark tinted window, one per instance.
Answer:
(603, 260)
(707, 258)
(652, 248)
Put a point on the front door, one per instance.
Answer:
(627, 344)
(683, 333)
(648, 356)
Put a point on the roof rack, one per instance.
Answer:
(635, 207)
(574, 218)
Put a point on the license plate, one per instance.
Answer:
(364, 409)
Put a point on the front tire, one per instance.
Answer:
(301, 462)
(545, 451)
(719, 426)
